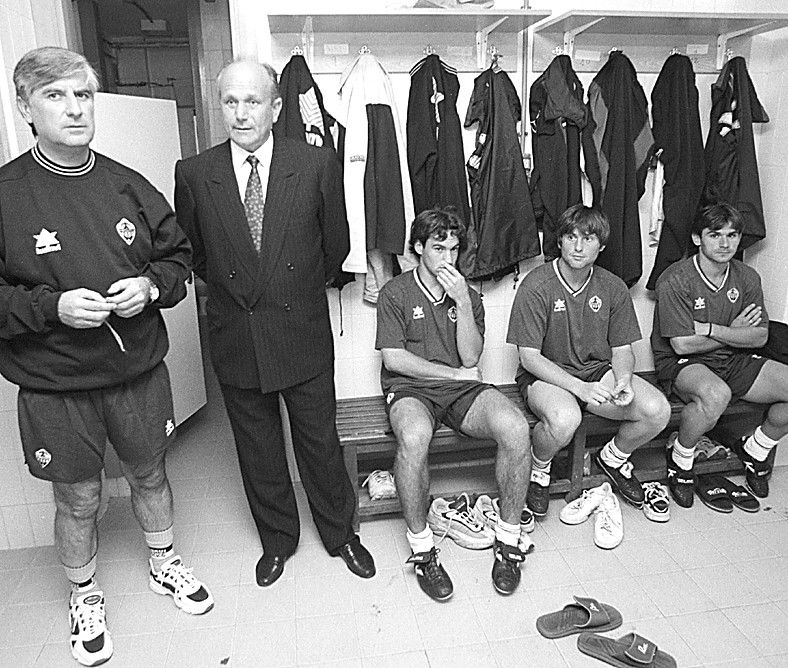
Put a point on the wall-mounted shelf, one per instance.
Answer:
(462, 37)
(648, 37)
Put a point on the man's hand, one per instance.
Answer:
(129, 295)
(623, 394)
(83, 308)
(594, 394)
(751, 316)
(469, 373)
(453, 282)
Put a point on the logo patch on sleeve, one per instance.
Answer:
(43, 457)
(126, 230)
(46, 242)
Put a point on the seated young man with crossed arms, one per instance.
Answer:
(573, 324)
(430, 333)
(709, 310)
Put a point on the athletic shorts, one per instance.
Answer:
(739, 371)
(447, 401)
(525, 379)
(64, 434)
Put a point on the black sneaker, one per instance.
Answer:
(433, 578)
(756, 474)
(681, 483)
(538, 497)
(506, 567)
(623, 481)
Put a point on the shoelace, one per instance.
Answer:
(90, 617)
(380, 477)
(432, 567)
(179, 575)
(626, 469)
(465, 513)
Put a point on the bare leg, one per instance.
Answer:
(151, 496)
(76, 506)
(706, 395)
(771, 387)
(559, 417)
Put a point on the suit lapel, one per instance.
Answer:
(224, 191)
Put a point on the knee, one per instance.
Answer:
(514, 434)
(146, 477)
(80, 502)
(413, 444)
(714, 399)
(656, 410)
(562, 423)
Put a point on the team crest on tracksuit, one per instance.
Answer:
(43, 457)
(126, 230)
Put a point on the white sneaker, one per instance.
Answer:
(487, 511)
(457, 521)
(380, 485)
(608, 524)
(579, 510)
(174, 579)
(91, 643)
(656, 505)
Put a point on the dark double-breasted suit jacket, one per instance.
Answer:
(269, 332)
(268, 317)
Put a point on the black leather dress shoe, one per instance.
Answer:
(357, 558)
(269, 569)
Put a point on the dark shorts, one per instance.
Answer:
(525, 379)
(64, 434)
(739, 371)
(447, 401)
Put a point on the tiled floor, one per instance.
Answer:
(710, 589)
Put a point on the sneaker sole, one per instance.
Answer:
(480, 543)
(608, 547)
(503, 592)
(160, 589)
(98, 662)
(436, 598)
(574, 520)
(655, 516)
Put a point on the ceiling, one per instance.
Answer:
(121, 18)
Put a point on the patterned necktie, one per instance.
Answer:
(254, 203)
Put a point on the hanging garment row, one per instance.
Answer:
(596, 151)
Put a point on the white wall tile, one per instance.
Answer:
(18, 528)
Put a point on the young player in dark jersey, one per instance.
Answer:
(573, 324)
(709, 309)
(430, 332)
(89, 254)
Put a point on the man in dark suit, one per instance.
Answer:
(269, 229)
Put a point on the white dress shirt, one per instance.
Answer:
(243, 169)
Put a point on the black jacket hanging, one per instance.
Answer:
(616, 145)
(435, 154)
(303, 115)
(558, 115)
(674, 110)
(503, 231)
(731, 165)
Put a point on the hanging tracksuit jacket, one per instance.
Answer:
(435, 153)
(616, 144)
(503, 230)
(731, 165)
(558, 115)
(674, 109)
(303, 115)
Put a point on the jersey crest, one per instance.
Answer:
(43, 457)
(559, 306)
(418, 312)
(700, 303)
(126, 230)
(733, 295)
(46, 242)
(595, 303)
(452, 313)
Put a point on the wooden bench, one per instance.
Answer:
(366, 438)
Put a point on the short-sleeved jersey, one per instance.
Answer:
(575, 329)
(410, 318)
(686, 295)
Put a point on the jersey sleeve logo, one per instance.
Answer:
(733, 295)
(452, 313)
(418, 312)
(43, 457)
(700, 303)
(595, 303)
(126, 230)
(46, 242)
(560, 305)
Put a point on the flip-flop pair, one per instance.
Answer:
(723, 495)
(588, 614)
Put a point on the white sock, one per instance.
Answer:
(423, 541)
(508, 534)
(759, 445)
(683, 457)
(612, 456)
(160, 545)
(82, 575)
(540, 471)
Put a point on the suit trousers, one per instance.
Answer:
(259, 439)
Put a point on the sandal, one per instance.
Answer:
(583, 615)
(712, 492)
(629, 650)
(740, 497)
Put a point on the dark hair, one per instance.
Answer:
(717, 216)
(437, 222)
(586, 220)
(40, 67)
